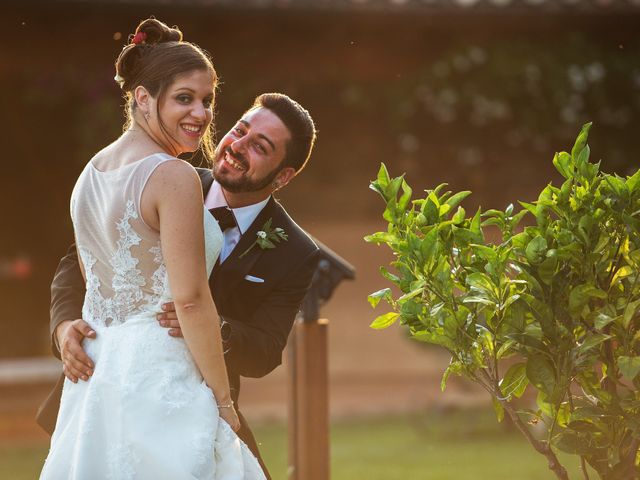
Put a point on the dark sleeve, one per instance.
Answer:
(67, 293)
(254, 347)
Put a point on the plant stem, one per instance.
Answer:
(543, 448)
(554, 464)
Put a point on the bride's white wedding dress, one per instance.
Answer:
(145, 413)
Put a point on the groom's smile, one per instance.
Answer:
(235, 160)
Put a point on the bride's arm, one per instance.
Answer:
(175, 189)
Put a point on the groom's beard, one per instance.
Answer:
(242, 184)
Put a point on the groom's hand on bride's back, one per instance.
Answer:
(76, 364)
(169, 319)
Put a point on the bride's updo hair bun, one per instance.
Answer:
(155, 56)
(158, 32)
(148, 35)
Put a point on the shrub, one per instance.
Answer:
(560, 297)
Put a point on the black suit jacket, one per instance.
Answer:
(259, 315)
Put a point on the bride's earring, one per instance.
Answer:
(147, 116)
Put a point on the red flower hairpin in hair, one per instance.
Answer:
(138, 38)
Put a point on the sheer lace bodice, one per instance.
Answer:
(120, 253)
(145, 413)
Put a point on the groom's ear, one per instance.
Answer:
(284, 177)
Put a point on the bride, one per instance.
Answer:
(156, 407)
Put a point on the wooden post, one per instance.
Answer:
(309, 401)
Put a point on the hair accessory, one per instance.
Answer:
(138, 38)
(119, 80)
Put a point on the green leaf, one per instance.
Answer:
(602, 320)
(629, 366)
(530, 207)
(459, 216)
(415, 292)
(476, 299)
(476, 227)
(548, 268)
(383, 176)
(435, 338)
(536, 249)
(384, 321)
(572, 442)
(541, 373)
(520, 240)
(406, 196)
(389, 276)
(265, 243)
(629, 312)
(512, 299)
(581, 141)
(591, 342)
(453, 368)
(381, 237)
(515, 381)
(485, 252)
(564, 164)
(456, 199)
(633, 181)
(505, 349)
(563, 415)
(481, 281)
(375, 297)
(583, 156)
(581, 294)
(429, 244)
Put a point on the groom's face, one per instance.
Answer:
(250, 155)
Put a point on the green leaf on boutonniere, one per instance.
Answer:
(267, 238)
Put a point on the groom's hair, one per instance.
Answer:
(299, 123)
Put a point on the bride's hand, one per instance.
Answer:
(229, 415)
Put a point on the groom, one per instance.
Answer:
(257, 290)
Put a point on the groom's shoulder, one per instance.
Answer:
(295, 233)
(204, 174)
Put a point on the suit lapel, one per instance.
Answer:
(228, 274)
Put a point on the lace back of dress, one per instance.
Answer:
(121, 255)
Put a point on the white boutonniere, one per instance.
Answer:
(267, 238)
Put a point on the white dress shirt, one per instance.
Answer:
(245, 216)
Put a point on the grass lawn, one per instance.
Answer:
(459, 446)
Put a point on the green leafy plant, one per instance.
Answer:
(552, 307)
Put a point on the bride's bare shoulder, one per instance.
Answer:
(176, 174)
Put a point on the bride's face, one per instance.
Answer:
(181, 115)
